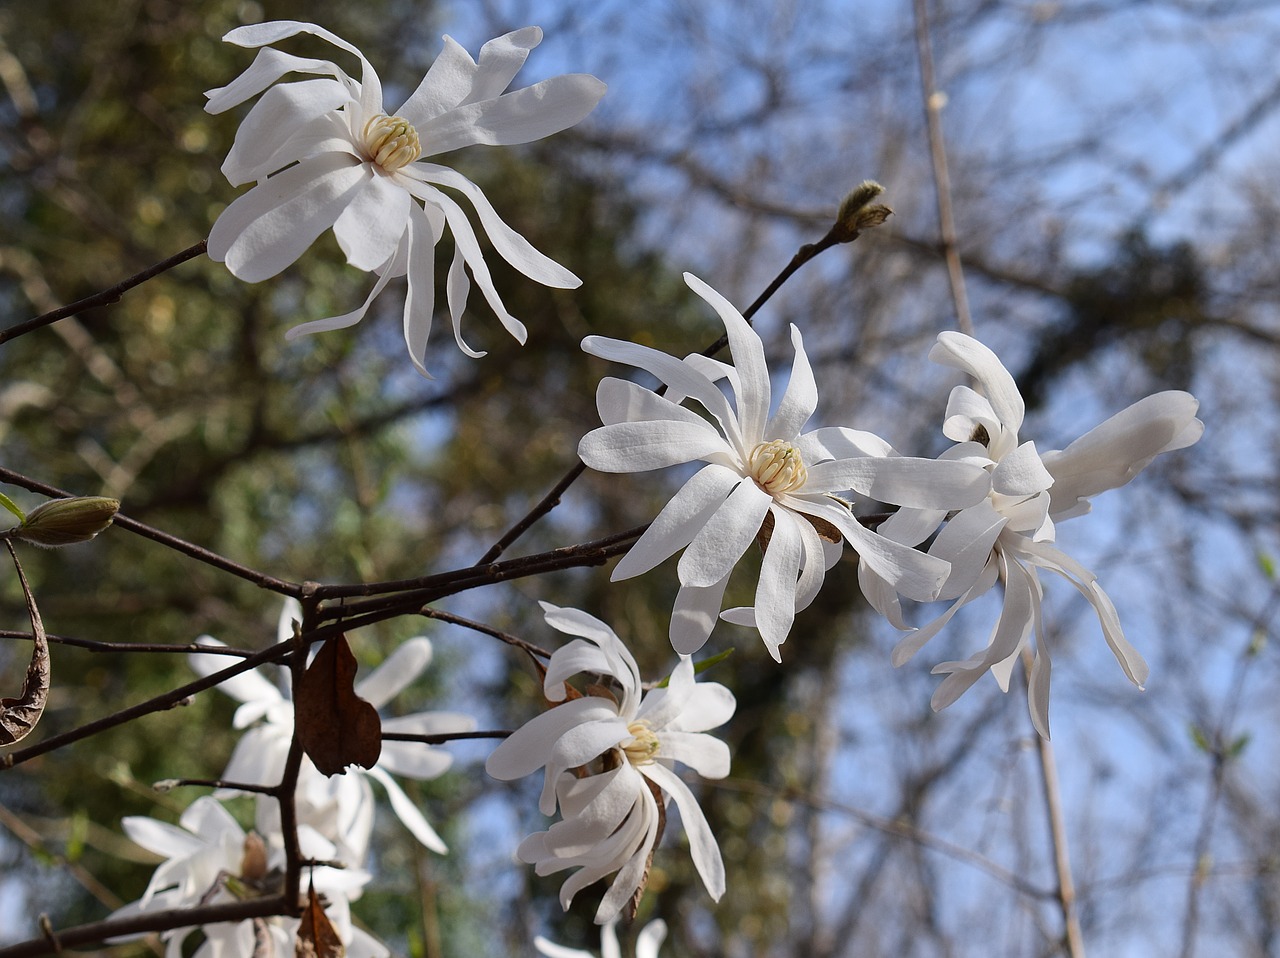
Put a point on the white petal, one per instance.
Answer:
(839, 442)
(694, 616)
(753, 390)
(721, 542)
(705, 754)
(678, 375)
(281, 113)
(679, 521)
(1111, 454)
(346, 319)
(508, 244)
(268, 67)
(620, 400)
(702, 843)
(913, 574)
(641, 446)
(268, 228)
(1021, 473)
(409, 660)
(408, 813)
(371, 227)
(776, 590)
(967, 354)
(248, 686)
(448, 81)
(919, 483)
(521, 116)
(800, 399)
(651, 937)
(966, 542)
(425, 230)
(413, 759)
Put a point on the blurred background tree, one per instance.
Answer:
(1113, 177)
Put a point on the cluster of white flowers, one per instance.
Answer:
(324, 154)
(210, 859)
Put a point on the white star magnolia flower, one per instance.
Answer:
(340, 807)
(209, 856)
(1009, 536)
(611, 818)
(325, 153)
(647, 943)
(757, 466)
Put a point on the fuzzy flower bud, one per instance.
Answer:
(858, 213)
(61, 522)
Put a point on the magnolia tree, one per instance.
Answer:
(617, 749)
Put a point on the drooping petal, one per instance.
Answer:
(371, 227)
(679, 521)
(346, 319)
(694, 615)
(508, 244)
(702, 843)
(776, 591)
(425, 229)
(913, 574)
(721, 542)
(268, 67)
(268, 228)
(408, 812)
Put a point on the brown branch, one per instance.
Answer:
(104, 298)
(98, 931)
(190, 549)
(441, 737)
(157, 704)
(507, 637)
(95, 646)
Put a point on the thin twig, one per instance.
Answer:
(128, 647)
(933, 101)
(98, 931)
(480, 627)
(201, 554)
(104, 298)
(442, 737)
(159, 703)
(1066, 893)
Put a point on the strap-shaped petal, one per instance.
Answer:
(680, 520)
(752, 390)
(967, 354)
(717, 547)
(521, 116)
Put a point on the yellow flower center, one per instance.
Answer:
(642, 748)
(391, 142)
(777, 467)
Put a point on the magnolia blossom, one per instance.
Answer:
(325, 152)
(647, 943)
(1009, 536)
(761, 471)
(340, 807)
(211, 860)
(624, 748)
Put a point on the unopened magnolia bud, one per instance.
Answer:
(253, 863)
(857, 213)
(61, 522)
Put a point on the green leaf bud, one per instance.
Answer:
(61, 522)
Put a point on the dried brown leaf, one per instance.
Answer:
(316, 935)
(336, 727)
(18, 716)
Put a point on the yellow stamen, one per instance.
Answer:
(777, 467)
(642, 749)
(391, 142)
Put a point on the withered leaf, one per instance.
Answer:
(336, 727)
(634, 905)
(18, 716)
(316, 935)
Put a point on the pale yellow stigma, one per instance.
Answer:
(777, 467)
(391, 142)
(642, 748)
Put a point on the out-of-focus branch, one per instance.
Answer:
(104, 298)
